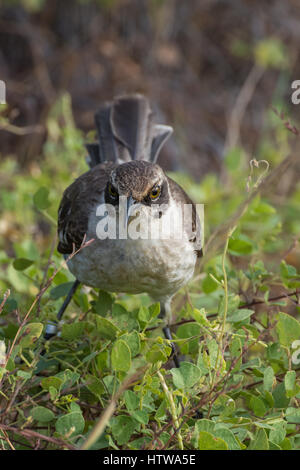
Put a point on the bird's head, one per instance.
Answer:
(142, 183)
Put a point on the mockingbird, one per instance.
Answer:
(152, 242)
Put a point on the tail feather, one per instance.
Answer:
(107, 147)
(131, 123)
(93, 154)
(126, 132)
(160, 136)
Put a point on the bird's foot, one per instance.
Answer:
(173, 355)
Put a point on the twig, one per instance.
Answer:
(6, 126)
(6, 438)
(273, 299)
(109, 411)
(173, 409)
(5, 297)
(46, 269)
(242, 101)
(286, 122)
(30, 433)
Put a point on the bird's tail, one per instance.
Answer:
(126, 132)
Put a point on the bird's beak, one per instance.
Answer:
(130, 203)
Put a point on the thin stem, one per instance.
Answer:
(169, 397)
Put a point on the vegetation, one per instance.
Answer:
(106, 380)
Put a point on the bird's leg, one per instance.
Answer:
(165, 313)
(51, 327)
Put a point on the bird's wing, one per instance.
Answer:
(194, 230)
(77, 202)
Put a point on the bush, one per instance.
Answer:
(107, 381)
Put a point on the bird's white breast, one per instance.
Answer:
(157, 266)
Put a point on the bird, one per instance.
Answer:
(125, 180)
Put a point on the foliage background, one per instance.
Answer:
(214, 70)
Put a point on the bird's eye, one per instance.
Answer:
(155, 192)
(112, 191)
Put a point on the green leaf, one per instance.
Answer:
(40, 198)
(22, 263)
(288, 329)
(161, 411)
(269, 398)
(276, 354)
(236, 352)
(132, 401)
(158, 353)
(200, 316)
(118, 311)
(141, 416)
(292, 415)
(133, 341)
(24, 375)
(104, 303)
(154, 310)
(258, 406)
(126, 322)
(264, 208)
(291, 387)
(209, 285)
(227, 436)
(240, 315)
(42, 414)
(278, 432)
(232, 306)
(122, 428)
(279, 395)
(120, 356)
(287, 271)
(186, 376)
(207, 441)
(30, 333)
(111, 383)
(270, 52)
(68, 377)
(9, 306)
(204, 425)
(268, 378)
(144, 315)
(61, 291)
(188, 331)
(53, 392)
(73, 331)
(95, 385)
(54, 382)
(102, 360)
(71, 424)
(273, 446)
(214, 356)
(106, 329)
(286, 444)
(260, 441)
(240, 246)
